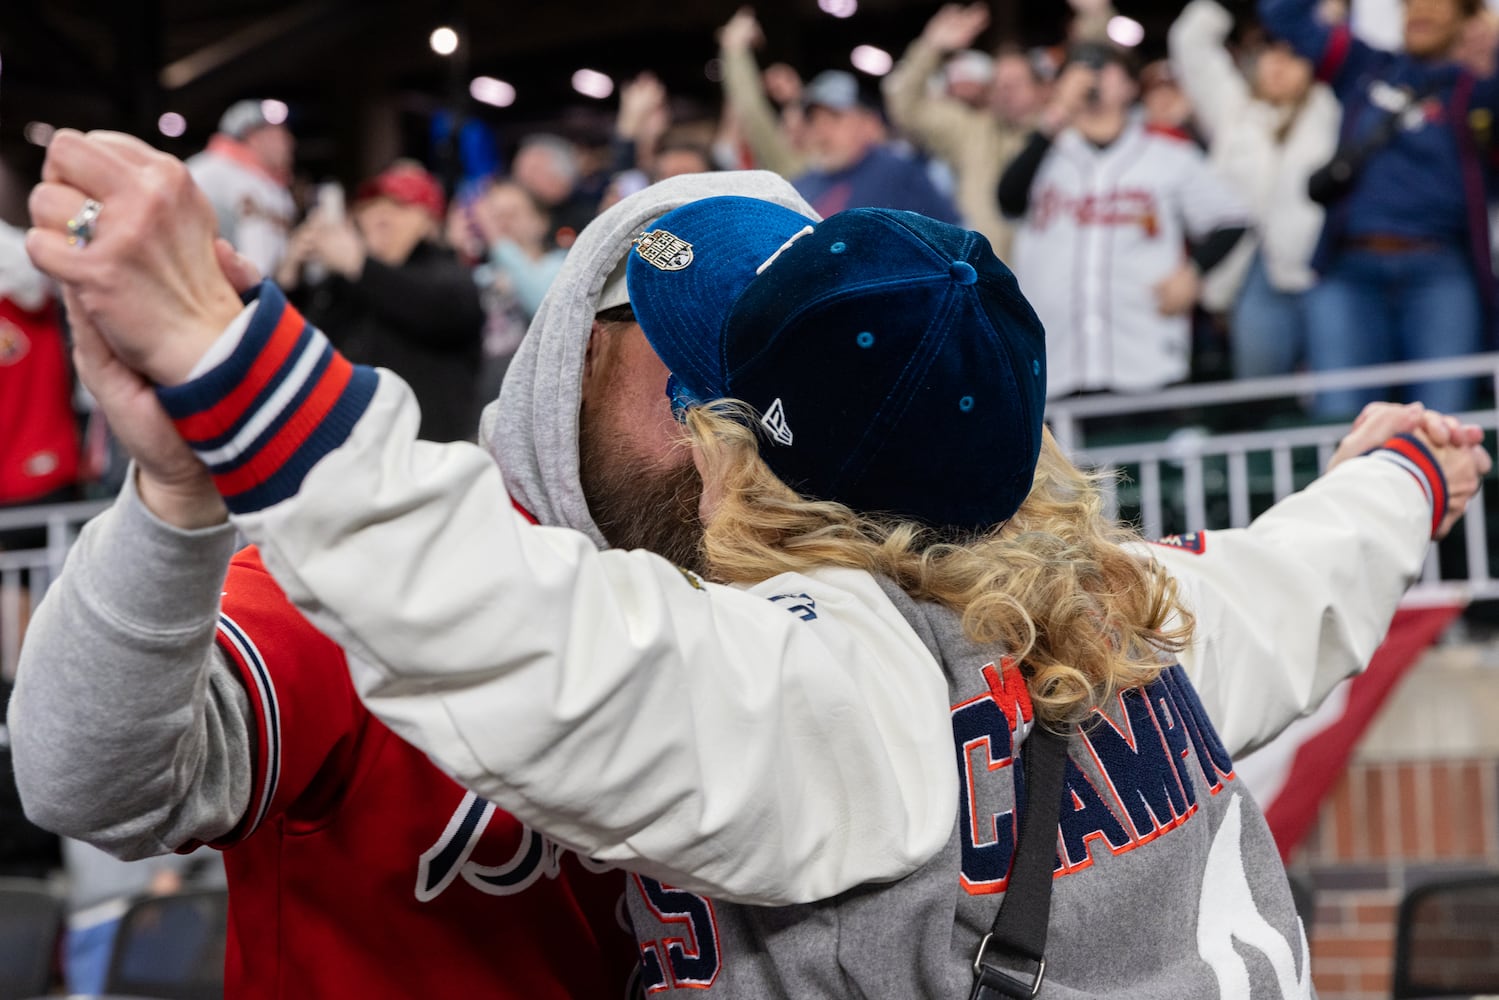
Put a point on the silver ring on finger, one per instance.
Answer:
(81, 226)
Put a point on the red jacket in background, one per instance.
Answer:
(38, 434)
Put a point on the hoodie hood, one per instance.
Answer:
(532, 429)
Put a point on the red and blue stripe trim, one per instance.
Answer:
(1339, 44)
(268, 413)
(263, 691)
(1406, 451)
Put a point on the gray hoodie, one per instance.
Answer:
(532, 430)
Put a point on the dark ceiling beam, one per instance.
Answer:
(141, 31)
(246, 43)
(50, 46)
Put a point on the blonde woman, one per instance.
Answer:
(915, 585)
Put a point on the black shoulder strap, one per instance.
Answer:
(1018, 938)
(1388, 125)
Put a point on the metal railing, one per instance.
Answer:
(1186, 482)
(26, 573)
(1194, 480)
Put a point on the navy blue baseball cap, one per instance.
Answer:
(896, 366)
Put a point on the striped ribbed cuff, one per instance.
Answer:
(263, 417)
(1410, 454)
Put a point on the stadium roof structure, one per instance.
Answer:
(351, 69)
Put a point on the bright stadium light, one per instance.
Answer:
(38, 133)
(871, 60)
(488, 90)
(274, 111)
(839, 8)
(592, 83)
(172, 125)
(1126, 31)
(444, 41)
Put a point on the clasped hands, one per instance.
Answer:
(149, 281)
(147, 296)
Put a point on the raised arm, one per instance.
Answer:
(1090, 20)
(1014, 192)
(1328, 566)
(1068, 97)
(130, 730)
(572, 687)
(623, 706)
(745, 93)
(1218, 91)
(167, 696)
(1479, 51)
(1336, 55)
(941, 125)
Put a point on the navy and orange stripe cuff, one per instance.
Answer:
(1410, 454)
(281, 401)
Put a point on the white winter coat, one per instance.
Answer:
(1241, 132)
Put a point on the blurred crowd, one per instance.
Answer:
(1276, 195)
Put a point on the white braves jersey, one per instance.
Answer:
(254, 212)
(1104, 227)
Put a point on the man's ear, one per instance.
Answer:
(592, 354)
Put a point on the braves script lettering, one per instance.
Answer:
(1120, 207)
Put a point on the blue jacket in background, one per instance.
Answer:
(882, 179)
(1430, 182)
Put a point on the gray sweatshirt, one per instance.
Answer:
(1167, 881)
(131, 730)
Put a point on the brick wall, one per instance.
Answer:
(1388, 827)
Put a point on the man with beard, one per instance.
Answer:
(656, 511)
(151, 719)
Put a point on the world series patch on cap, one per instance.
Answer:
(894, 363)
(662, 250)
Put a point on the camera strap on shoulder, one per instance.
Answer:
(1335, 178)
(1018, 936)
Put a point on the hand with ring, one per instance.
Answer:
(149, 281)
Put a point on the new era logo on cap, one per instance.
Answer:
(774, 421)
(664, 251)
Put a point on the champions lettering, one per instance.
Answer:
(687, 953)
(1145, 760)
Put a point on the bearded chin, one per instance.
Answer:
(639, 505)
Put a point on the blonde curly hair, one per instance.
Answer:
(1054, 586)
